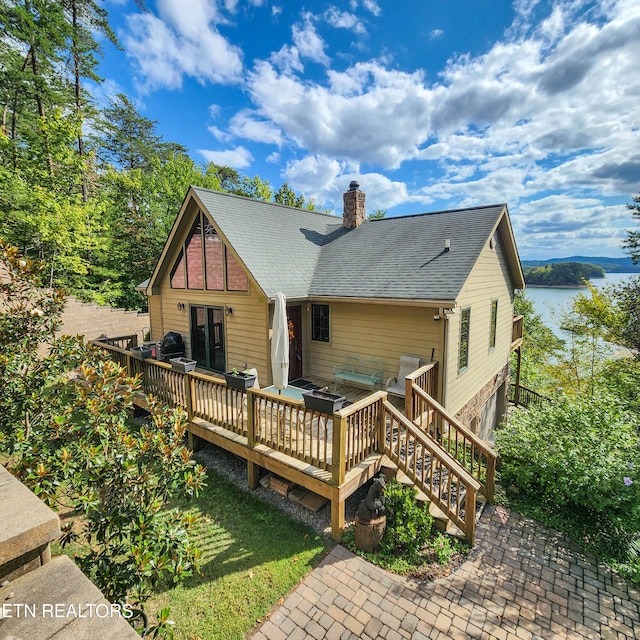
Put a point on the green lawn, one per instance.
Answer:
(252, 556)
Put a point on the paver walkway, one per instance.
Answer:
(521, 581)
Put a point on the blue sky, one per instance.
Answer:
(429, 104)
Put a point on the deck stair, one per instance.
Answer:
(440, 520)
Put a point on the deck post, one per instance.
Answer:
(470, 515)
(188, 397)
(408, 398)
(516, 396)
(338, 445)
(192, 441)
(382, 424)
(337, 519)
(253, 470)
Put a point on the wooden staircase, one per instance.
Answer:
(451, 468)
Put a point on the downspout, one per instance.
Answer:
(445, 359)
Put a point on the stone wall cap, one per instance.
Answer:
(27, 522)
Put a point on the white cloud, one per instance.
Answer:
(245, 125)
(372, 6)
(368, 113)
(308, 43)
(435, 34)
(219, 134)
(238, 158)
(343, 20)
(178, 43)
(287, 60)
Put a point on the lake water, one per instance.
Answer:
(551, 302)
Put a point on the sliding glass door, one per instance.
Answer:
(207, 337)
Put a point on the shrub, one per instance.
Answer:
(580, 454)
(408, 525)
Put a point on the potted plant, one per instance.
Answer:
(141, 353)
(322, 401)
(182, 365)
(239, 379)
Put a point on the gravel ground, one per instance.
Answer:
(235, 470)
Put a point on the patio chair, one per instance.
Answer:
(396, 386)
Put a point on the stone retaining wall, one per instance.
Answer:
(92, 321)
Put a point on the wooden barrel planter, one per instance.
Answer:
(369, 533)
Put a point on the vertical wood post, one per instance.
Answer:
(188, 395)
(338, 452)
(491, 478)
(470, 515)
(516, 397)
(381, 425)
(408, 399)
(337, 519)
(253, 470)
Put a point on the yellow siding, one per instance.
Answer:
(155, 317)
(372, 331)
(489, 280)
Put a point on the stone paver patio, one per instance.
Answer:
(521, 581)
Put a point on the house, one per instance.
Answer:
(435, 285)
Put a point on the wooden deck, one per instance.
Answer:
(331, 455)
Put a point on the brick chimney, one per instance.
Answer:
(355, 212)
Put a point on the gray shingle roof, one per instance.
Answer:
(303, 253)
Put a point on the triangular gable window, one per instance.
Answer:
(204, 261)
(177, 275)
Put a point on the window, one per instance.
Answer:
(320, 322)
(494, 324)
(463, 359)
(177, 275)
(213, 249)
(193, 251)
(236, 277)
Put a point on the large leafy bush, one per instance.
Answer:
(67, 431)
(408, 525)
(578, 454)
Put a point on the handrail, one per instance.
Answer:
(131, 340)
(432, 470)
(464, 445)
(426, 378)
(521, 395)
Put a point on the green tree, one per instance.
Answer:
(129, 140)
(632, 242)
(378, 214)
(587, 322)
(625, 331)
(540, 346)
(66, 427)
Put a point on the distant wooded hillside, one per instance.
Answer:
(562, 274)
(611, 265)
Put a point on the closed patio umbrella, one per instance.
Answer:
(280, 344)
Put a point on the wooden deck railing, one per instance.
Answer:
(335, 443)
(464, 445)
(425, 378)
(432, 470)
(123, 342)
(523, 396)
